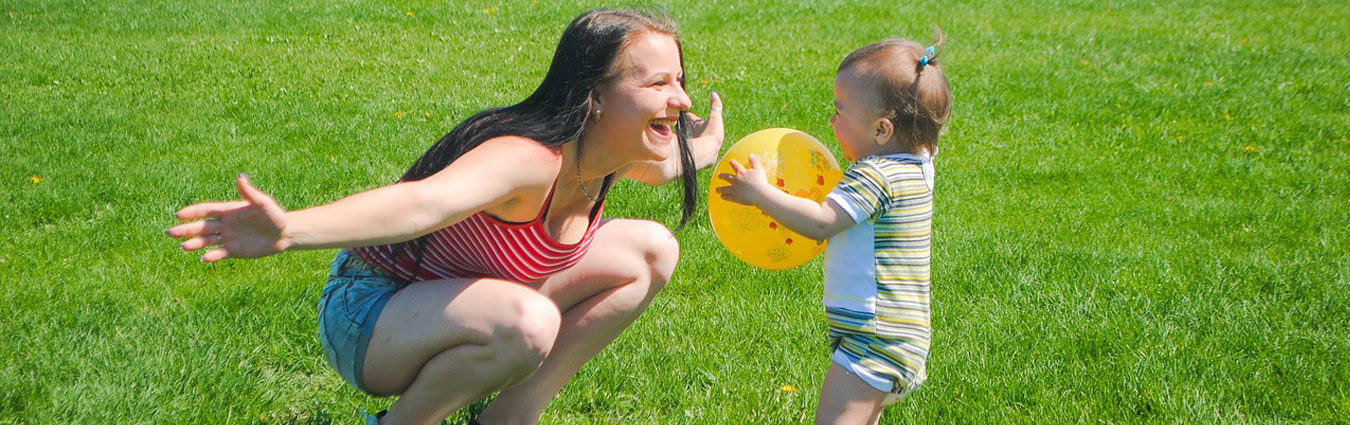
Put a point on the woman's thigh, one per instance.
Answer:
(623, 251)
(427, 318)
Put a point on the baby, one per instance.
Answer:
(891, 102)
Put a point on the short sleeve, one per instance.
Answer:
(862, 192)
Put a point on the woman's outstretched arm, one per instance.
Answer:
(257, 226)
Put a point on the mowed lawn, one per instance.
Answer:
(1142, 206)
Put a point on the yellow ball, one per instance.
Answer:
(795, 163)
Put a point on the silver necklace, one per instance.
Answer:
(581, 182)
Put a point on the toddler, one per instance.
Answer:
(891, 102)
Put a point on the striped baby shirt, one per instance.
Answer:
(877, 272)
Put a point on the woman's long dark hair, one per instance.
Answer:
(559, 110)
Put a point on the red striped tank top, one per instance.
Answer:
(485, 246)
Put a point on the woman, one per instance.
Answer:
(488, 267)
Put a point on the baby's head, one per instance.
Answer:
(891, 97)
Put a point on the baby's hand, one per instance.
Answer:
(748, 185)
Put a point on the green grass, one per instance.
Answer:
(1142, 207)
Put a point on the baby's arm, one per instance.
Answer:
(750, 186)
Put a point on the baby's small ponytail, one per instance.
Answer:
(931, 57)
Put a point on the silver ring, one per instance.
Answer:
(715, 109)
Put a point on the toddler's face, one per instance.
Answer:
(854, 120)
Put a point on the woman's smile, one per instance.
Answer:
(663, 128)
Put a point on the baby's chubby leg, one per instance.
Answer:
(845, 399)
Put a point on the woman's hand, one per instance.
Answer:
(707, 135)
(250, 228)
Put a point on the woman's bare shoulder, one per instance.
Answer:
(523, 148)
(524, 158)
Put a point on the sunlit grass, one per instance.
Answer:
(1141, 215)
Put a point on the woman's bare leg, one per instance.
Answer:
(446, 343)
(627, 265)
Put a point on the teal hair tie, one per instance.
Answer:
(931, 50)
(923, 61)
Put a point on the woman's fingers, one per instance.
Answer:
(252, 194)
(208, 209)
(215, 254)
(711, 126)
(200, 242)
(243, 222)
(196, 228)
(714, 111)
(715, 108)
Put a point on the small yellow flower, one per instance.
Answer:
(1209, 83)
(410, 13)
(788, 388)
(1249, 148)
(1086, 63)
(1228, 117)
(490, 10)
(35, 179)
(398, 114)
(1042, 58)
(1180, 138)
(426, 114)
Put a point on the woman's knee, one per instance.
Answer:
(531, 332)
(659, 248)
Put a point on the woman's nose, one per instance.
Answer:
(680, 99)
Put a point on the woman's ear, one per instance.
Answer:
(596, 109)
(883, 129)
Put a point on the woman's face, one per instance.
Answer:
(639, 108)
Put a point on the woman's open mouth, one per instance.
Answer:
(663, 127)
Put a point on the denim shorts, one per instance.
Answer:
(351, 302)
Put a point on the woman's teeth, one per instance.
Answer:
(662, 126)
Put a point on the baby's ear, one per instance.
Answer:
(883, 129)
